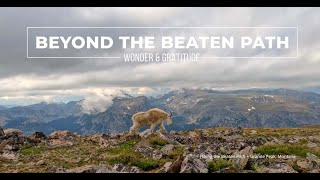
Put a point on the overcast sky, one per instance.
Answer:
(27, 81)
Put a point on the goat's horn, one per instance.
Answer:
(171, 113)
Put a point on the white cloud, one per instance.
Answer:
(96, 80)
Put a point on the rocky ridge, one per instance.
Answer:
(213, 150)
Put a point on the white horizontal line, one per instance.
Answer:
(74, 57)
(120, 57)
(147, 27)
(250, 57)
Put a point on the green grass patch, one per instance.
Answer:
(124, 154)
(31, 151)
(135, 159)
(176, 152)
(147, 164)
(285, 149)
(125, 147)
(157, 141)
(218, 165)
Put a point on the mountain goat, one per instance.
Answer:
(153, 117)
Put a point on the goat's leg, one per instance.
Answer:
(135, 127)
(163, 128)
(152, 127)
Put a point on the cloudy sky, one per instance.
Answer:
(25, 81)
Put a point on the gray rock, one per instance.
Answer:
(3, 144)
(313, 158)
(10, 155)
(169, 137)
(312, 145)
(195, 137)
(15, 139)
(10, 131)
(193, 165)
(147, 151)
(314, 171)
(40, 163)
(62, 135)
(245, 155)
(83, 169)
(126, 169)
(167, 149)
(278, 168)
(56, 169)
(104, 169)
(37, 136)
(166, 168)
(305, 164)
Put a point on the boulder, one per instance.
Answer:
(3, 144)
(167, 149)
(147, 151)
(165, 168)
(126, 169)
(37, 136)
(62, 138)
(191, 164)
(253, 132)
(314, 171)
(40, 163)
(56, 169)
(174, 167)
(303, 164)
(83, 169)
(195, 137)
(278, 168)
(15, 139)
(244, 155)
(313, 158)
(11, 131)
(10, 155)
(169, 137)
(62, 135)
(104, 169)
(60, 143)
(312, 145)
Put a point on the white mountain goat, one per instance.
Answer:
(153, 118)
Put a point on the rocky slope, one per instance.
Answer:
(213, 150)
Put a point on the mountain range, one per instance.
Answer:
(274, 108)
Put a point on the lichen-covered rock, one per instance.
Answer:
(147, 151)
(56, 169)
(191, 164)
(104, 169)
(313, 158)
(278, 168)
(126, 169)
(171, 138)
(14, 138)
(83, 169)
(165, 168)
(37, 136)
(62, 135)
(304, 164)
(167, 149)
(11, 131)
(244, 155)
(3, 144)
